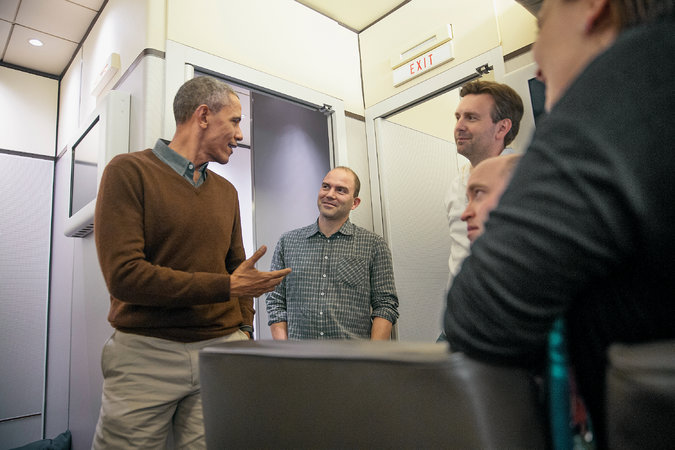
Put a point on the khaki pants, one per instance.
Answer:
(150, 387)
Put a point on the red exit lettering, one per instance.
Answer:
(421, 64)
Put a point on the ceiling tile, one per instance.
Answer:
(355, 14)
(73, 20)
(91, 4)
(4, 35)
(8, 9)
(51, 58)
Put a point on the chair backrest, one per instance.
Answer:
(355, 394)
(641, 396)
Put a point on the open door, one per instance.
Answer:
(291, 155)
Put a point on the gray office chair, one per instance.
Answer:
(641, 396)
(349, 394)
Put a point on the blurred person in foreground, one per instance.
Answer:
(583, 231)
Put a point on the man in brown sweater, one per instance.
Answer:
(168, 237)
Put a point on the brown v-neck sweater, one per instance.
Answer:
(166, 250)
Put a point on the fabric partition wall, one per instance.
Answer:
(415, 173)
(25, 229)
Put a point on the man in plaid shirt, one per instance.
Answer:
(342, 283)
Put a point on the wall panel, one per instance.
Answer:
(25, 223)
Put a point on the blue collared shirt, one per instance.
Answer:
(181, 165)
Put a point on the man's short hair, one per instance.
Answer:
(201, 91)
(636, 12)
(508, 104)
(357, 182)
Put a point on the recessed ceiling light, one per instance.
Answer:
(35, 42)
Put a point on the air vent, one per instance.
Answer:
(84, 231)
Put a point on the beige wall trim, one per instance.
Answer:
(146, 52)
(355, 116)
(518, 52)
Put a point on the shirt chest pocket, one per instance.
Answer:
(353, 271)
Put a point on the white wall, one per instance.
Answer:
(474, 28)
(435, 117)
(478, 26)
(517, 26)
(278, 37)
(27, 112)
(309, 49)
(122, 28)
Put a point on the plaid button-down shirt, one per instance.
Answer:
(337, 285)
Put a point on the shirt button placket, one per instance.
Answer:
(323, 283)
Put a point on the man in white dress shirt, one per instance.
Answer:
(488, 119)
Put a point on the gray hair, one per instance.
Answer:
(201, 91)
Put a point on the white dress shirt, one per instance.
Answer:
(455, 204)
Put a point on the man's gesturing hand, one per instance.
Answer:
(247, 281)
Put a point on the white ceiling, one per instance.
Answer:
(354, 14)
(358, 15)
(59, 24)
(62, 24)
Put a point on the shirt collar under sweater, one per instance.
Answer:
(182, 166)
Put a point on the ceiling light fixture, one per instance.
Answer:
(35, 42)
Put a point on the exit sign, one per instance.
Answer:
(423, 63)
